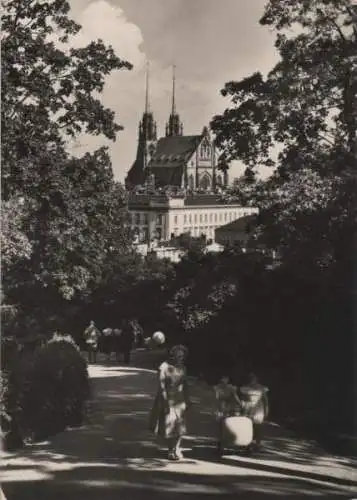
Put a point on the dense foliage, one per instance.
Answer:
(69, 214)
(301, 119)
(43, 392)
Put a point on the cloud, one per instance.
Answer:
(209, 44)
(102, 20)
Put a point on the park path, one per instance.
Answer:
(114, 456)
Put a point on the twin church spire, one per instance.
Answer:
(174, 125)
(147, 127)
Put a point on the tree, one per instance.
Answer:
(301, 119)
(49, 88)
(15, 245)
(306, 106)
(74, 212)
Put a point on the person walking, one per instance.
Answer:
(107, 342)
(228, 404)
(91, 338)
(117, 334)
(168, 415)
(254, 398)
(127, 341)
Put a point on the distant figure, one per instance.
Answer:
(91, 338)
(127, 340)
(107, 342)
(255, 405)
(138, 332)
(168, 415)
(228, 404)
(116, 343)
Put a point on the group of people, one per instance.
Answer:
(110, 340)
(172, 401)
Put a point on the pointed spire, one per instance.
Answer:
(174, 125)
(173, 111)
(147, 131)
(147, 105)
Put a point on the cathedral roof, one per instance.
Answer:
(174, 151)
(171, 155)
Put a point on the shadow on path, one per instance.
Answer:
(115, 454)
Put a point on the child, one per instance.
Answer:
(227, 406)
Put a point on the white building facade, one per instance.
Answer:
(160, 217)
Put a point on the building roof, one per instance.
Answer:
(168, 176)
(170, 158)
(241, 225)
(174, 151)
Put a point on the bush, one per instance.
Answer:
(46, 391)
(59, 388)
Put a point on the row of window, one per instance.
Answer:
(142, 218)
(212, 217)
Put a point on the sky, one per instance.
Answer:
(210, 42)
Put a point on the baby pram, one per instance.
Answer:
(237, 433)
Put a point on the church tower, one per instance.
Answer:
(174, 126)
(147, 141)
(147, 127)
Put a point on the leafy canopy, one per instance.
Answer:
(305, 108)
(49, 88)
(73, 212)
(300, 119)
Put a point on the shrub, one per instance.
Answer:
(58, 389)
(45, 391)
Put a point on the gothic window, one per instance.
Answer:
(205, 151)
(219, 180)
(205, 181)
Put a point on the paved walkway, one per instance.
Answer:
(115, 457)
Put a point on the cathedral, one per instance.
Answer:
(183, 161)
(175, 184)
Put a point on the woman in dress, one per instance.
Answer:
(228, 404)
(168, 417)
(255, 405)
